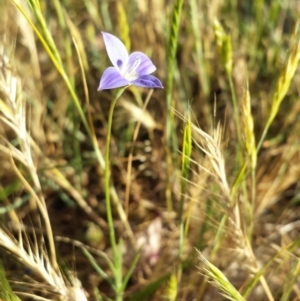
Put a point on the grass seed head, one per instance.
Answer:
(224, 46)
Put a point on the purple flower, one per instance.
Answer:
(134, 69)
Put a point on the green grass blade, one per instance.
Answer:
(6, 293)
(146, 292)
(98, 269)
(219, 280)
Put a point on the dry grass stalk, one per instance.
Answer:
(211, 146)
(137, 114)
(14, 116)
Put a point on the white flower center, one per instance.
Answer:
(130, 72)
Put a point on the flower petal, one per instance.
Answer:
(116, 50)
(111, 79)
(140, 63)
(147, 81)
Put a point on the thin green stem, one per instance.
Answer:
(236, 111)
(172, 48)
(264, 134)
(119, 272)
(253, 196)
(107, 173)
(195, 16)
(171, 62)
(186, 160)
(115, 251)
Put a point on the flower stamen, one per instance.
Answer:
(131, 70)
